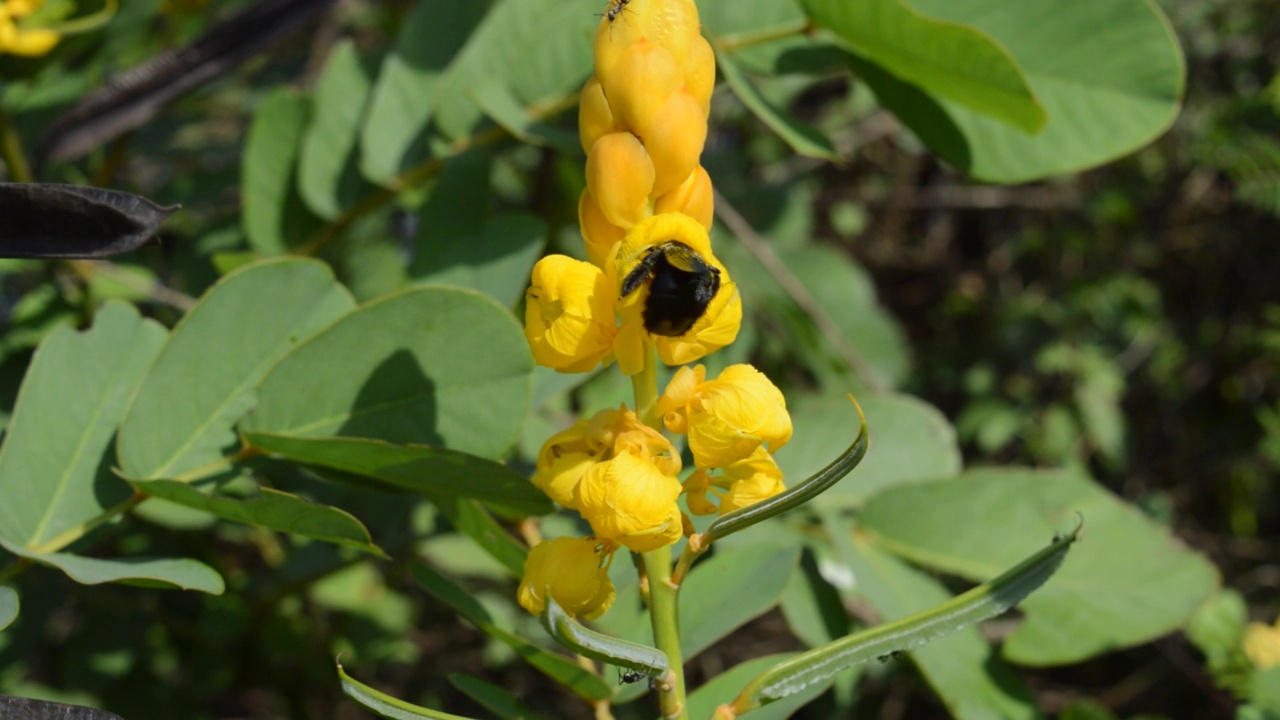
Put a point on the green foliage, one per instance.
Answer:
(371, 397)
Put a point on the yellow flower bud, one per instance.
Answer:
(719, 322)
(570, 453)
(696, 487)
(694, 197)
(600, 236)
(29, 43)
(700, 73)
(620, 177)
(674, 141)
(728, 418)
(595, 119)
(639, 85)
(568, 317)
(752, 479)
(1262, 645)
(631, 501)
(573, 571)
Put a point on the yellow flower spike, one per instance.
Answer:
(600, 236)
(595, 118)
(1262, 645)
(750, 480)
(716, 327)
(620, 178)
(629, 500)
(676, 398)
(733, 415)
(568, 317)
(573, 571)
(700, 73)
(639, 85)
(694, 197)
(674, 141)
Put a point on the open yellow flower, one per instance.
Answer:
(1262, 645)
(630, 500)
(568, 317)
(742, 483)
(717, 326)
(573, 571)
(728, 418)
(567, 456)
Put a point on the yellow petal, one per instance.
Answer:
(639, 85)
(574, 571)
(569, 318)
(1262, 645)
(620, 178)
(673, 404)
(600, 235)
(595, 118)
(629, 500)
(674, 139)
(32, 43)
(694, 197)
(731, 416)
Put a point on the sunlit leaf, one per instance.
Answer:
(181, 574)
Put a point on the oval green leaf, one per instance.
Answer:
(887, 640)
(1130, 583)
(328, 173)
(271, 509)
(435, 472)
(1110, 74)
(55, 476)
(8, 606)
(730, 589)
(804, 139)
(430, 366)
(274, 216)
(217, 353)
(944, 57)
(385, 705)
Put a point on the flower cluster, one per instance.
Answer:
(652, 281)
(642, 123)
(16, 38)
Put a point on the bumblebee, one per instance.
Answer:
(682, 285)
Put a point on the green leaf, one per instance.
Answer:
(496, 261)
(946, 58)
(55, 475)
(604, 648)
(385, 705)
(433, 366)
(1128, 583)
(8, 606)
(704, 701)
(215, 356)
(502, 106)
(799, 493)
(471, 519)
(910, 442)
(885, 641)
(274, 216)
(328, 173)
(802, 138)
(813, 608)
(966, 673)
(493, 698)
(271, 509)
(435, 472)
(411, 84)
(558, 668)
(730, 589)
(1109, 73)
(149, 572)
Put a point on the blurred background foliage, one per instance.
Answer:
(1123, 322)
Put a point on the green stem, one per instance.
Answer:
(664, 615)
(11, 151)
(645, 387)
(730, 43)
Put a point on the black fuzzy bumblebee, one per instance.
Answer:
(683, 284)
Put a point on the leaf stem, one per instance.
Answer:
(11, 151)
(729, 43)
